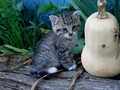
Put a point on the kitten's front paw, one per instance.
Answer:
(74, 66)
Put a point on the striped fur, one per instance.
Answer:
(54, 49)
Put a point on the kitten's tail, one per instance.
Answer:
(39, 74)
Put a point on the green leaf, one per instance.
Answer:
(22, 51)
(72, 2)
(13, 2)
(94, 3)
(2, 27)
(78, 48)
(19, 6)
(91, 5)
(4, 3)
(4, 50)
(45, 7)
(83, 7)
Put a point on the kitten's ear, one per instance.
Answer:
(77, 14)
(54, 19)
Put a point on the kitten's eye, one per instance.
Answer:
(58, 30)
(65, 29)
(73, 28)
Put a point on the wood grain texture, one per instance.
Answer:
(22, 80)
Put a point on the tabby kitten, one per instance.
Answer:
(54, 49)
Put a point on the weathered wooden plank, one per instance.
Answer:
(22, 80)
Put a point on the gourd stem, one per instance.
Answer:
(102, 9)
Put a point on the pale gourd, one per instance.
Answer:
(101, 54)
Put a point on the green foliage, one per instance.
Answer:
(8, 50)
(87, 7)
(117, 10)
(9, 10)
(14, 30)
(78, 48)
(51, 7)
(47, 8)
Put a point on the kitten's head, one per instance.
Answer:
(66, 24)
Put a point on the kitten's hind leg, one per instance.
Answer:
(37, 73)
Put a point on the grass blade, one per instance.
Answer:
(23, 51)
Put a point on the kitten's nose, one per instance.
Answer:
(70, 34)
